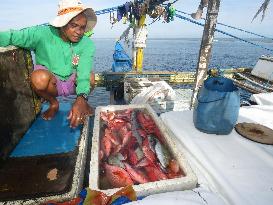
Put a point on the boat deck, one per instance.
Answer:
(60, 148)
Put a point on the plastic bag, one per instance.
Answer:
(217, 107)
(159, 91)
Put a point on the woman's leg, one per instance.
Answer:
(44, 84)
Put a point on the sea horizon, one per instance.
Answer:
(181, 54)
(196, 38)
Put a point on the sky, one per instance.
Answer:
(16, 14)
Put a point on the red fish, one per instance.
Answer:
(172, 175)
(143, 162)
(132, 157)
(173, 170)
(115, 126)
(123, 116)
(142, 133)
(128, 111)
(147, 150)
(132, 143)
(129, 126)
(107, 116)
(112, 136)
(125, 135)
(119, 120)
(101, 155)
(146, 122)
(104, 116)
(173, 165)
(111, 115)
(154, 173)
(136, 175)
(143, 119)
(117, 176)
(106, 146)
(158, 134)
(116, 149)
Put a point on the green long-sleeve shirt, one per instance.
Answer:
(54, 53)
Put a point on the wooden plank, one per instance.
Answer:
(185, 77)
(205, 48)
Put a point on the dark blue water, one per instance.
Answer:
(182, 54)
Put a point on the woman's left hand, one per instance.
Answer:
(79, 111)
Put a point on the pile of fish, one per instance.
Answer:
(133, 150)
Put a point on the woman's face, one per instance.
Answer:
(74, 30)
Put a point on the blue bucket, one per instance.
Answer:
(217, 108)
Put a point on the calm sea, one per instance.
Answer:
(182, 54)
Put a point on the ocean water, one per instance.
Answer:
(182, 54)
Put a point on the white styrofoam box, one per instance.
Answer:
(181, 102)
(182, 183)
(170, 105)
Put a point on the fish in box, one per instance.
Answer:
(131, 146)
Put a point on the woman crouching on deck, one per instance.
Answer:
(64, 57)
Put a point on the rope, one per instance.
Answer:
(239, 29)
(105, 11)
(223, 32)
(254, 82)
(170, 3)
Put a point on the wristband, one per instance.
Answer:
(83, 95)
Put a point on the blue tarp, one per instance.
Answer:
(122, 62)
(49, 137)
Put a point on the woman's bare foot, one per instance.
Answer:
(51, 111)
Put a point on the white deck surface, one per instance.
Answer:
(263, 98)
(230, 168)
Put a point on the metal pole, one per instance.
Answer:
(138, 51)
(205, 48)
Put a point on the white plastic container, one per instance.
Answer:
(182, 183)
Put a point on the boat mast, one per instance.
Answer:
(205, 48)
(140, 35)
(138, 47)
